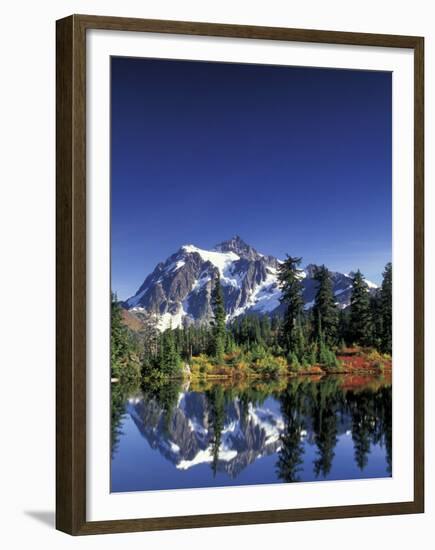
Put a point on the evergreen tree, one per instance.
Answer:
(119, 346)
(386, 309)
(384, 412)
(217, 417)
(245, 332)
(343, 327)
(265, 329)
(293, 361)
(118, 396)
(290, 456)
(325, 427)
(230, 344)
(162, 395)
(377, 319)
(170, 362)
(360, 317)
(291, 295)
(326, 356)
(362, 427)
(300, 344)
(150, 335)
(325, 313)
(218, 324)
(124, 362)
(275, 324)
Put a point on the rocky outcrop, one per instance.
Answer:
(178, 291)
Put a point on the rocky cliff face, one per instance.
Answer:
(185, 436)
(178, 290)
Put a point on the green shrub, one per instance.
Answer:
(328, 359)
(293, 362)
(201, 365)
(129, 370)
(269, 365)
(313, 354)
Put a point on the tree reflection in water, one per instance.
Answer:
(229, 426)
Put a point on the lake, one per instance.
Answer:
(208, 434)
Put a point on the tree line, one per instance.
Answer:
(305, 405)
(323, 405)
(321, 331)
(303, 337)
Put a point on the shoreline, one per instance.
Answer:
(262, 377)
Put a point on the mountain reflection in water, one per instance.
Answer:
(170, 436)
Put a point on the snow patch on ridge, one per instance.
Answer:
(269, 422)
(338, 292)
(244, 288)
(134, 300)
(222, 260)
(264, 419)
(171, 320)
(264, 296)
(205, 456)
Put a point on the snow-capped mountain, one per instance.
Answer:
(178, 290)
(249, 432)
(186, 438)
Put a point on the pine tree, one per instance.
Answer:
(291, 295)
(290, 457)
(325, 428)
(360, 317)
(343, 327)
(170, 361)
(386, 309)
(265, 329)
(326, 356)
(293, 361)
(119, 340)
(325, 313)
(125, 363)
(218, 324)
(377, 319)
(150, 344)
(216, 402)
(230, 344)
(244, 333)
(300, 344)
(362, 427)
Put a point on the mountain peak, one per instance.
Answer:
(310, 269)
(179, 289)
(237, 245)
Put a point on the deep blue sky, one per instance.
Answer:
(294, 160)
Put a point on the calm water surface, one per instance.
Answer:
(173, 436)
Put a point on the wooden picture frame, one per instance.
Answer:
(71, 274)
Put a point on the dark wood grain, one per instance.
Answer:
(70, 277)
(64, 344)
(246, 31)
(419, 274)
(71, 273)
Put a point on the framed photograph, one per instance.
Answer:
(239, 275)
